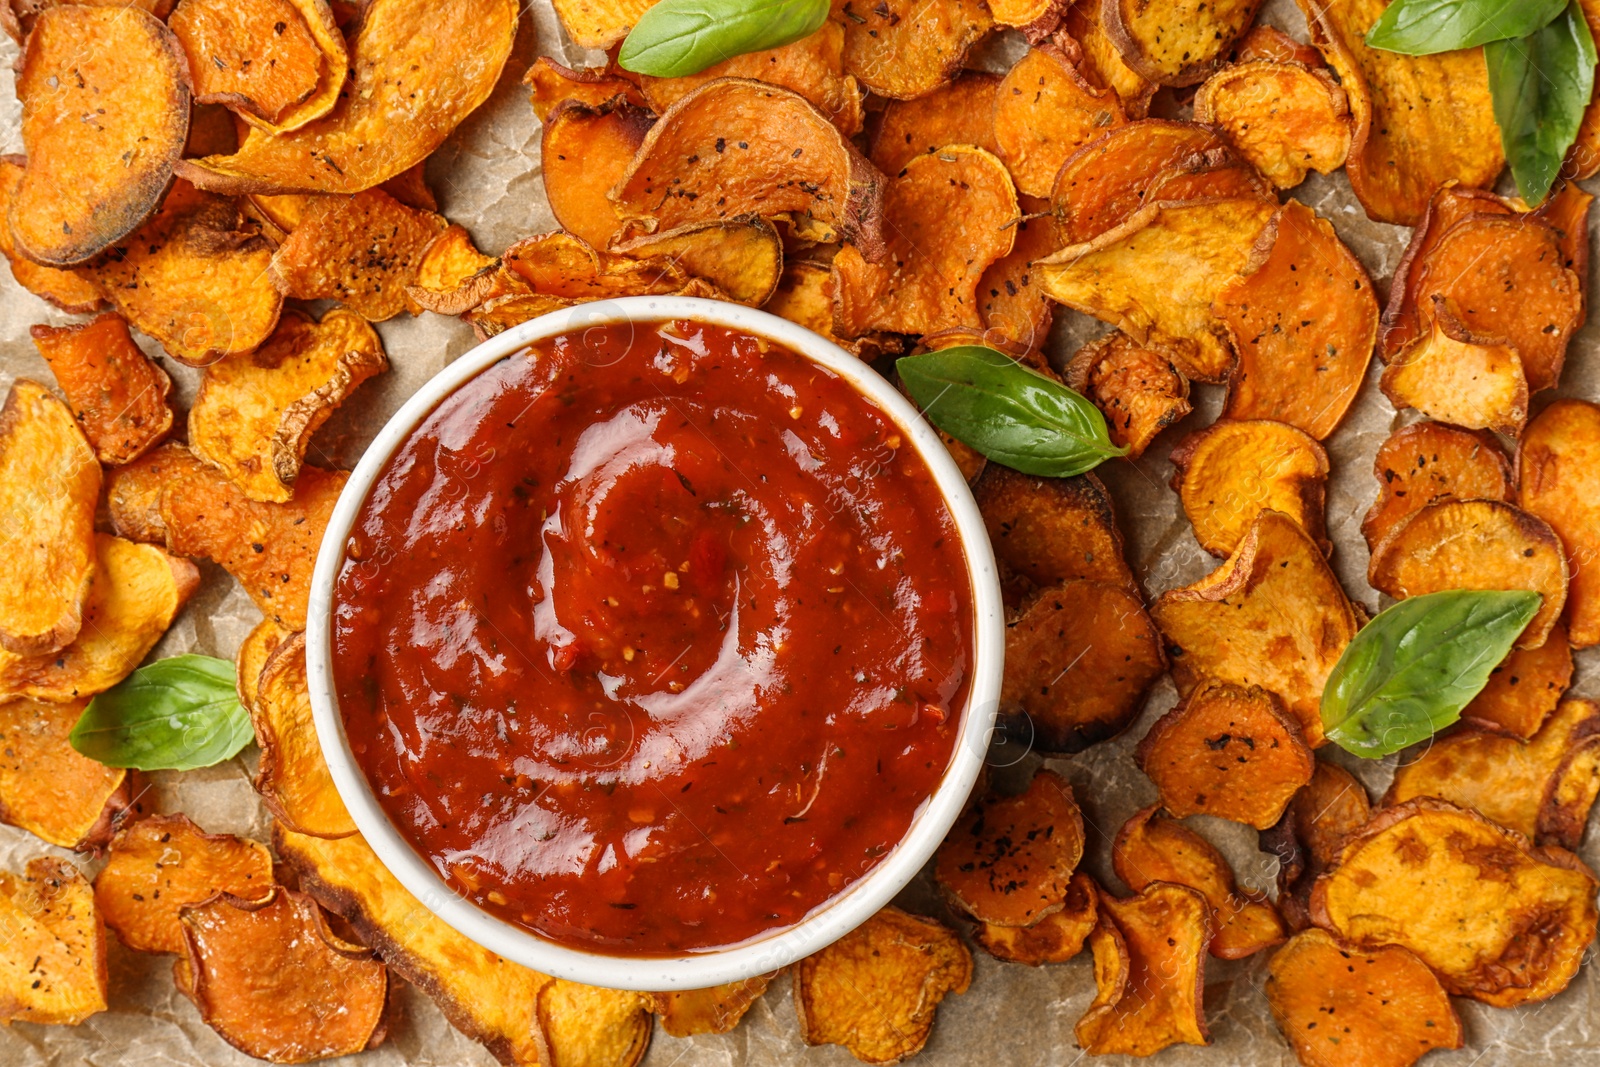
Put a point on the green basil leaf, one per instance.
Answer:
(1423, 27)
(1015, 416)
(1411, 670)
(174, 715)
(1541, 85)
(680, 37)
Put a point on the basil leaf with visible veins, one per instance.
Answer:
(676, 38)
(1424, 27)
(177, 714)
(1541, 85)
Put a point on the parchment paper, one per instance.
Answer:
(487, 178)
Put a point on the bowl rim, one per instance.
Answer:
(767, 952)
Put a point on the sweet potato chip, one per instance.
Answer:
(49, 486)
(584, 1024)
(1151, 847)
(1311, 834)
(66, 289)
(1273, 615)
(1103, 62)
(741, 257)
(46, 787)
(903, 49)
(133, 491)
(163, 863)
(1044, 111)
(804, 295)
(362, 251)
(1051, 530)
(1419, 121)
(254, 651)
(414, 76)
(707, 1011)
(1427, 462)
(875, 990)
(1056, 938)
(1455, 375)
(1231, 471)
(961, 112)
(1271, 45)
(293, 779)
(1340, 1007)
(1227, 750)
(1558, 470)
(280, 63)
(553, 83)
(599, 23)
(586, 150)
(1037, 19)
(1138, 389)
(272, 979)
(1176, 43)
(1080, 659)
(486, 997)
(1149, 973)
(949, 217)
(1304, 324)
(1525, 688)
(1016, 313)
(1156, 276)
(564, 266)
(1282, 117)
(255, 412)
(1475, 544)
(503, 312)
(117, 392)
(53, 966)
(1007, 860)
(105, 113)
(453, 276)
(18, 16)
(739, 147)
(1496, 919)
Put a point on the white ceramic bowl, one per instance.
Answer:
(770, 951)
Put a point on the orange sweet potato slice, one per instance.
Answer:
(1102, 60)
(902, 49)
(1016, 312)
(293, 779)
(49, 485)
(1414, 876)
(275, 983)
(163, 863)
(1525, 688)
(1080, 659)
(1457, 376)
(585, 152)
(503, 312)
(1138, 389)
(1342, 1007)
(17, 17)
(1044, 111)
(1056, 938)
(1008, 860)
(1558, 474)
(1231, 471)
(1311, 834)
(105, 113)
(1051, 530)
(1180, 42)
(581, 1024)
(804, 295)
(1271, 45)
(1273, 616)
(741, 257)
(133, 492)
(1475, 544)
(946, 216)
(66, 289)
(53, 963)
(1149, 972)
(561, 265)
(876, 989)
(553, 83)
(262, 59)
(254, 651)
(1427, 462)
(1304, 324)
(453, 277)
(46, 787)
(1152, 847)
(1036, 19)
(117, 392)
(717, 1010)
(961, 112)
(1284, 118)
(593, 24)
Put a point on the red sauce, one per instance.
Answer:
(653, 639)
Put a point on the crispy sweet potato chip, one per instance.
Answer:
(1525, 688)
(961, 112)
(1056, 938)
(553, 83)
(1271, 45)
(1149, 972)
(49, 485)
(1051, 530)
(1037, 19)
(707, 1011)
(1080, 659)
(1231, 471)
(133, 491)
(1273, 615)
(875, 990)
(1304, 323)
(1007, 860)
(280, 63)
(1427, 462)
(255, 412)
(1044, 111)
(948, 219)
(584, 1024)
(453, 276)
(362, 251)
(46, 787)
(1457, 376)
(163, 863)
(561, 265)
(414, 76)
(18, 16)
(903, 49)
(1311, 834)
(254, 651)
(105, 112)
(486, 997)
(66, 289)
(1340, 1007)
(741, 257)
(804, 295)
(1151, 847)
(272, 979)
(1558, 471)
(503, 312)
(1282, 117)
(1419, 120)
(1016, 313)
(292, 778)
(739, 147)
(1176, 43)
(586, 150)
(136, 592)
(1103, 62)
(1156, 276)
(1138, 389)
(1475, 544)
(1496, 919)
(599, 23)
(53, 965)
(1230, 751)
(117, 392)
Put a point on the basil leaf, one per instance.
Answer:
(1423, 27)
(1411, 670)
(1011, 414)
(1541, 86)
(174, 715)
(680, 37)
